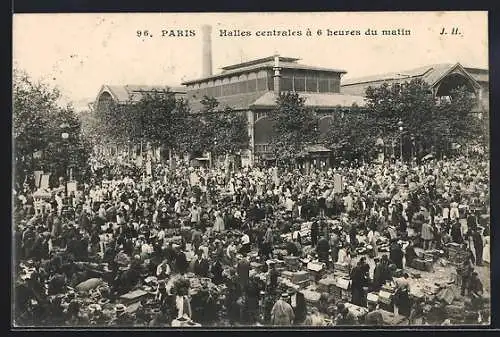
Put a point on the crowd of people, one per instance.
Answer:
(216, 223)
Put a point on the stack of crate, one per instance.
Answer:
(343, 289)
(386, 298)
(316, 269)
(342, 267)
(301, 278)
(292, 262)
(372, 298)
(455, 253)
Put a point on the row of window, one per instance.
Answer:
(259, 84)
(298, 83)
(310, 84)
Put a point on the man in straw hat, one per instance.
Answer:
(282, 312)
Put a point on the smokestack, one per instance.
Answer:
(277, 75)
(206, 31)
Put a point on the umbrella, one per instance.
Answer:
(427, 157)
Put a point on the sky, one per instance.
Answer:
(78, 53)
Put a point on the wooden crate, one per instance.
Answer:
(342, 267)
(326, 284)
(300, 276)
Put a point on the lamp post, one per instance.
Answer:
(212, 163)
(400, 124)
(65, 136)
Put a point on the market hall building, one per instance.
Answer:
(442, 78)
(251, 88)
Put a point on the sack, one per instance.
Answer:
(89, 284)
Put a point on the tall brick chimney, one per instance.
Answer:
(206, 31)
(277, 75)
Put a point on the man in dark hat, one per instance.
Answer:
(378, 275)
(272, 278)
(323, 249)
(181, 263)
(358, 283)
(396, 254)
(477, 239)
(476, 290)
(201, 265)
(314, 233)
(344, 316)
(216, 271)
(243, 270)
(410, 254)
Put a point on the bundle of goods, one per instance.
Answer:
(356, 311)
(301, 278)
(292, 262)
(342, 289)
(179, 285)
(184, 322)
(312, 297)
(278, 263)
(341, 267)
(372, 298)
(455, 310)
(386, 297)
(433, 254)
(257, 266)
(317, 269)
(455, 253)
(90, 284)
(327, 284)
(388, 318)
(280, 253)
(446, 295)
(133, 296)
(422, 264)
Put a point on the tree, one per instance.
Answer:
(455, 121)
(353, 136)
(158, 118)
(37, 120)
(427, 122)
(295, 127)
(221, 132)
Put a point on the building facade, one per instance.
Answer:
(251, 88)
(442, 78)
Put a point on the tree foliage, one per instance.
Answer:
(429, 123)
(295, 127)
(164, 120)
(225, 131)
(352, 135)
(37, 132)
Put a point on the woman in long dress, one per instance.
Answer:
(486, 249)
